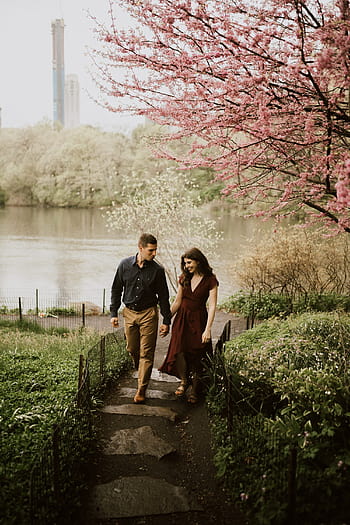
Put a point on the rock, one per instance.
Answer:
(153, 394)
(159, 376)
(140, 410)
(141, 440)
(139, 496)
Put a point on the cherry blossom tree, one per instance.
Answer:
(261, 87)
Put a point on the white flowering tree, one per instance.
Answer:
(164, 205)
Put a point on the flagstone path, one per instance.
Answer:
(155, 464)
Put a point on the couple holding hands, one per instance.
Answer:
(140, 283)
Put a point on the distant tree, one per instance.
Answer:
(82, 168)
(53, 166)
(145, 161)
(20, 151)
(85, 166)
(263, 86)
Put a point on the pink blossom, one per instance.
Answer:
(261, 89)
(343, 185)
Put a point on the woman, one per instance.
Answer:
(191, 332)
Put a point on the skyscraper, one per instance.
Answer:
(57, 27)
(71, 101)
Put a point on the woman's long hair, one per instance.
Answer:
(203, 265)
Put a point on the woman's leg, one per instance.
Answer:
(196, 371)
(181, 367)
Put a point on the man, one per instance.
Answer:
(141, 284)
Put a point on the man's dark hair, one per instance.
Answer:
(147, 238)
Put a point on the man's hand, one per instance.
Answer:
(115, 322)
(163, 330)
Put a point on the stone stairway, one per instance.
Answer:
(155, 462)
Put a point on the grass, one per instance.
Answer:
(38, 380)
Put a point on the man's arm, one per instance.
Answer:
(116, 295)
(163, 298)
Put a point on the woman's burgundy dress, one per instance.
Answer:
(188, 326)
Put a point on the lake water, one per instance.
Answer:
(70, 252)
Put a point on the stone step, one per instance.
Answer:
(141, 440)
(159, 376)
(153, 394)
(139, 496)
(141, 410)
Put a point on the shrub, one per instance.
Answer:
(295, 263)
(288, 384)
(258, 305)
(322, 303)
(267, 305)
(71, 311)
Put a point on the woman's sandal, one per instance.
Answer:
(192, 399)
(181, 389)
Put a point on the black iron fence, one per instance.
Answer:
(50, 310)
(261, 466)
(58, 475)
(277, 481)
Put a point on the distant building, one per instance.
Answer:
(72, 101)
(57, 27)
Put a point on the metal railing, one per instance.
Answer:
(267, 468)
(264, 466)
(58, 474)
(69, 310)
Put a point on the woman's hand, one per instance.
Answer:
(206, 336)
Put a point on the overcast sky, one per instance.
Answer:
(26, 60)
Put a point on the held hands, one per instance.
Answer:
(115, 322)
(163, 330)
(206, 336)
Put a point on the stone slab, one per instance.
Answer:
(139, 496)
(153, 394)
(159, 376)
(141, 440)
(140, 410)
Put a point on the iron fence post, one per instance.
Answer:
(104, 301)
(56, 462)
(80, 379)
(292, 470)
(229, 399)
(228, 330)
(20, 308)
(102, 357)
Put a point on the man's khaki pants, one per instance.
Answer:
(141, 336)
